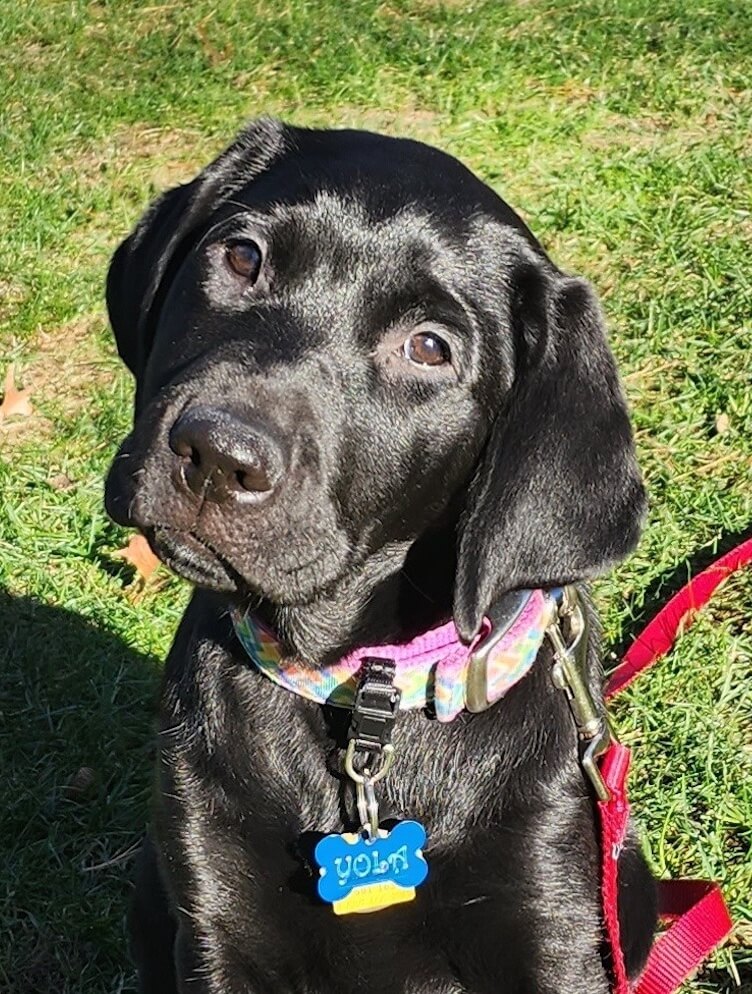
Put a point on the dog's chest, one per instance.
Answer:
(255, 779)
(260, 749)
(439, 777)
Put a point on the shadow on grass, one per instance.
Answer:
(719, 981)
(665, 586)
(76, 736)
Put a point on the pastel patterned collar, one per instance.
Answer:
(431, 669)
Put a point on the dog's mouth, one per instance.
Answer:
(192, 558)
(198, 561)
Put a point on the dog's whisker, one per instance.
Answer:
(416, 587)
(476, 900)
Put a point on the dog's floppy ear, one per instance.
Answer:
(142, 267)
(558, 495)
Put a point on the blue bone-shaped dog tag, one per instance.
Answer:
(359, 874)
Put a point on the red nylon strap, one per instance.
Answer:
(701, 922)
(657, 637)
(614, 818)
(700, 919)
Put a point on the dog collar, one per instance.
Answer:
(435, 668)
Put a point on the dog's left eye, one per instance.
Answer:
(244, 258)
(426, 349)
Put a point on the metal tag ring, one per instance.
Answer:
(386, 758)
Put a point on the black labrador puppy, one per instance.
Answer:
(367, 403)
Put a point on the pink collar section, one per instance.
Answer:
(430, 669)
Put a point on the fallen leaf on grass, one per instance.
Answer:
(61, 481)
(15, 401)
(138, 554)
(741, 936)
(80, 784)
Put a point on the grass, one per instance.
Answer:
(620, 131)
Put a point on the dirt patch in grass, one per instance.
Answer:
(69, 364)
(651, 130)
(737, 225)
(403, 121)
(420, 6)
(623, 133)
(534, 20)
(65, 366)
(168, 155)
(12, 295)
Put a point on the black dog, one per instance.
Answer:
(367, 402)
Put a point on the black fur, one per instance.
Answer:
(410, 493)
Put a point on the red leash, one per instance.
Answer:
(699, 919)
(695, 908)
(676, 616)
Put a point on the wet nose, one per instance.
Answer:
(225, 454)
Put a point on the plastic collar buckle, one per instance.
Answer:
(376, 706)
(370, 753)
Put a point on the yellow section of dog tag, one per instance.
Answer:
(375, 897)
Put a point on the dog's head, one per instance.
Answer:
(343, 342)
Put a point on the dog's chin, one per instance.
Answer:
(197, 561)
(192, 559)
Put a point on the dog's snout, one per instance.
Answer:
(225, 454)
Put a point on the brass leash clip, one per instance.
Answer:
(568, 674)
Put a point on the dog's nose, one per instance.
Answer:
(224, 454)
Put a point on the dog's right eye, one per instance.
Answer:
(424, 348)
(244, 258)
